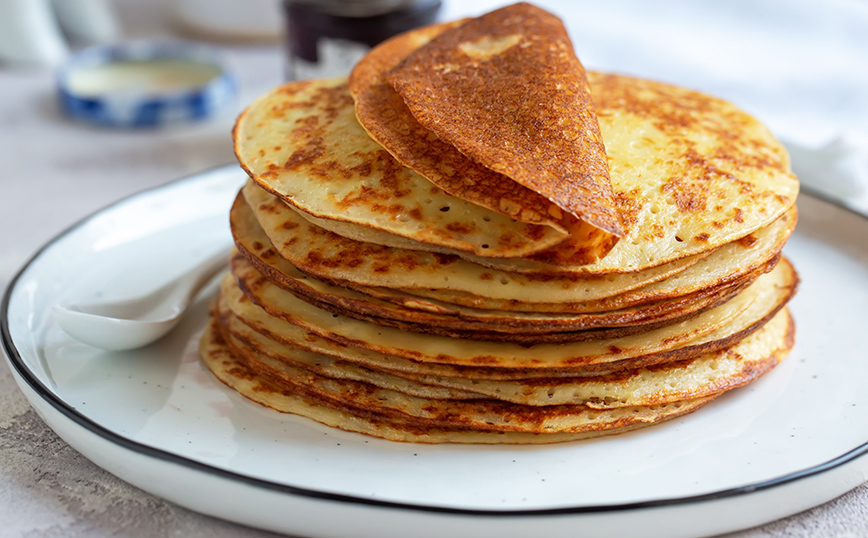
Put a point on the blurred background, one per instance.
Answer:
(800, 66)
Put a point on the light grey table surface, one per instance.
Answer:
(54, 172)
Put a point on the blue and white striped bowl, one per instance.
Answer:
(144, 107)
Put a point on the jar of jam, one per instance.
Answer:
(325, 38)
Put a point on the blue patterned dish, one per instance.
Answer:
(145, 84)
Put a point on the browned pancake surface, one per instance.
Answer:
(507, 90)
(714, 329)
(272, 391)
(385, 116)
(705, 375)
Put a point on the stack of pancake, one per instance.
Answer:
(474, 240)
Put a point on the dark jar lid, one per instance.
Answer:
(360, 8)
(347, 28)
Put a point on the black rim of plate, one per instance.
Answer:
(81, 420)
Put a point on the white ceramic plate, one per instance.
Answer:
(156, 418)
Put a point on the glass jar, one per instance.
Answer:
(325, 38)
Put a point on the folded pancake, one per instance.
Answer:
(711, 330)
(707, 374)
(507, 90)
(702, 173)
(302, 142)
(232, 370)
(385, 116)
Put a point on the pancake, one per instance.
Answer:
(383, 114)
(357, 232)
(643, 298)
(757, 252)
(264, 222)
(707, 374)
(703, 174)
(365, 266)
(711, 330)
(688, 171)
(232, 371)
(303, 143)
(344, 301)
(250, 343)
(298, 337)
(523, 330)
(474, 240)
(479, 414)
(709, 280)
(584, 240)
(550, 141)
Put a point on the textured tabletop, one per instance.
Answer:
(55, 172)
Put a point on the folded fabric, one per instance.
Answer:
(838, 169)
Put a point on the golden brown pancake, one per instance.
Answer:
(713, 329)
(703, 174)
(234, 372)
(525, 329)
(507, 90)
(256, 346)
(480, 414)
(383, 114)
(345, 301)
(264, 222)
(752, 255)
(299, 337)
(366, 297)
(302, 142)
(707, 374)
(454, 280)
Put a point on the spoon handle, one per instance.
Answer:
(178, 293)
(194, 281)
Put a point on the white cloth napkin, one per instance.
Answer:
(838, 169)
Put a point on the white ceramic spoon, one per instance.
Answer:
(136, 322)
